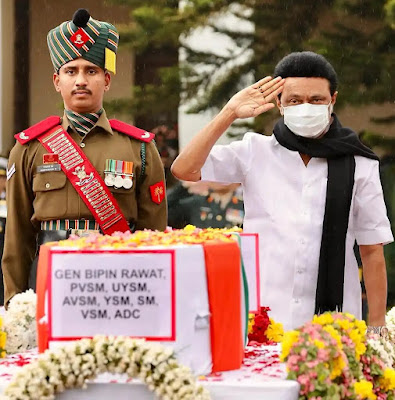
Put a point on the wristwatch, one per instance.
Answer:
(381, 331)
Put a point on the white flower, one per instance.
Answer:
(20, 322)
(384, 349)
(71, 366)
(390, 323)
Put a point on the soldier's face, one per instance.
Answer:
(82, 85)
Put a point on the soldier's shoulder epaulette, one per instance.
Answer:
(131, 130)
(38, 129)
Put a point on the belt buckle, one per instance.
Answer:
(83, 232)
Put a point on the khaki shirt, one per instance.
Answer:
(33, 197)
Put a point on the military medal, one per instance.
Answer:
(118, 181)
(109, 178)
(128, 174)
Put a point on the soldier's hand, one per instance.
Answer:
(257, 98)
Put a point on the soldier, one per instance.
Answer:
(82, 172)
(219, 206)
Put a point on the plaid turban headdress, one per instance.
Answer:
(95, 41)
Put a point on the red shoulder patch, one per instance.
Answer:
(38, 129)
(131, 130)
(157, 192)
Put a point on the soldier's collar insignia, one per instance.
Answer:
(23, 136)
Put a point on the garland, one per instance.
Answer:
(20, 323)
(73, 365)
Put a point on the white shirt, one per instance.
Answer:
(284, 202)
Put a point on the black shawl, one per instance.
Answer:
(339, 146)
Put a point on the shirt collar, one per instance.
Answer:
(102, 123)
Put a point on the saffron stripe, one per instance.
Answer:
(61, 47)
(56, 51)
(93, 29)
(113, 43)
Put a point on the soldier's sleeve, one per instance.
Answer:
(20, 235)
(151, 202)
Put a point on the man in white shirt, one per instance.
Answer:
(310, 190)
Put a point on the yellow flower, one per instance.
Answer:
(3, 339)
(189, 228)
(333, 332)
(288, 341)
(350, 316)
(361, 326)
(323, 319)
(338, 366)
(251, 321)
(360, 350)
(360, 347)
(387, 382)
(319, 344)
(275, 331)
(364, 390)
(1, 321)
(345, 324)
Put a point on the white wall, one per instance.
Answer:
(205, 39)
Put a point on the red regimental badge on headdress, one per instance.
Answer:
(157, 192)
(79, 38)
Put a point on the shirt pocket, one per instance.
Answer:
(50, 195)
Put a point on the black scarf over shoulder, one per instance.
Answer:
(339, 146)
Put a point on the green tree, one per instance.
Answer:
(390, 10)
(353, 35)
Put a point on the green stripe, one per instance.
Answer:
(83, 123)
(245, 287)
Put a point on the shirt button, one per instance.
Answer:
(300, 271)
(218, 217)
(296, 301)
(302, 241)
(47, 185)
(82, 145)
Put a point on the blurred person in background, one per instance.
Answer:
(205, 205)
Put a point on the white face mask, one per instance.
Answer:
(308, 120)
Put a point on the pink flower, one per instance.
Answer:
(312, 364)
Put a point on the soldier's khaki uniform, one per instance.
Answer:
(33, 197)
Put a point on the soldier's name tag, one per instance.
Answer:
(48, 168)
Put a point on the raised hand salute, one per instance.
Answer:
(257, 98)
(249, 102)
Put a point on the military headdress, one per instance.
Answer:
(95, 41)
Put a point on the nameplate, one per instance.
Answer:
(111, 293)
(48, 168)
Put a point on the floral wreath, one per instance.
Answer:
(71, 366)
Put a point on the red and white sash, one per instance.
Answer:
(85, 180)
